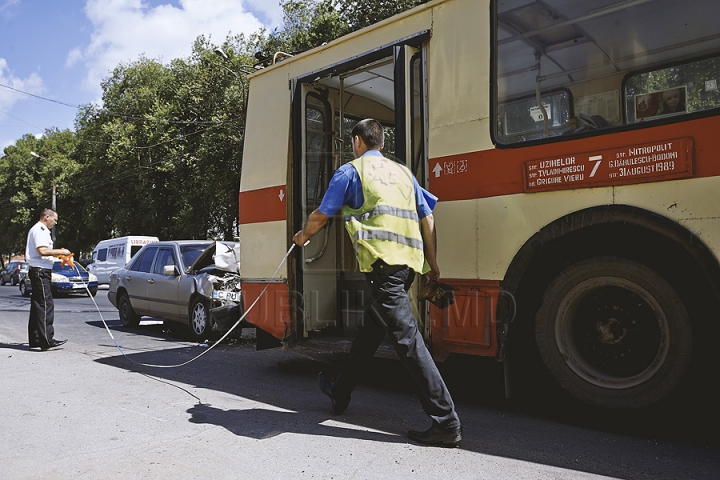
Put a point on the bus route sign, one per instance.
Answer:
(647, 162)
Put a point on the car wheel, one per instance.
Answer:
(93, 292)
(14, 281)
(2, 281)
(199, 323)
(23, 290)
(128, 317)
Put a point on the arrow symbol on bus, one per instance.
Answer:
(437, 170)
(281, 195)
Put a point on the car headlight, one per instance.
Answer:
(59, 278)
(92, 278)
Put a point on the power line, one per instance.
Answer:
(38, 96)
(118, 115)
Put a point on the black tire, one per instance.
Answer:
(128, 317)
(200, 320)
(2, 281)
(23, 290)
(93, 292)
(614, 333)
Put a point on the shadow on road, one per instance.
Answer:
(555, 432)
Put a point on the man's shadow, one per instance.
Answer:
(261, 423)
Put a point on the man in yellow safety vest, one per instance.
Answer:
(389, 219)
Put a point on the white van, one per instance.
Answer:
(109, 255)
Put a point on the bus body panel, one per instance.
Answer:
(524, 229)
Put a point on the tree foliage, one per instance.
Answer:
(162, 154)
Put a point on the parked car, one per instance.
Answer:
(13, 272)
(65, 280)
(171, 280)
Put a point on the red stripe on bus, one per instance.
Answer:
(497, 172)
(263, 205)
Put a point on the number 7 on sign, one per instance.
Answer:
(598, 160)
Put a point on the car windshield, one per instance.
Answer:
(58, 267)
(191, 252)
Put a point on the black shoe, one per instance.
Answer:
(53, 344)
(436, 435)
(339, 402)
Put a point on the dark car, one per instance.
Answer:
(172, 280)
(66, 279)
(13, 272)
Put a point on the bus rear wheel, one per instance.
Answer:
(614, 333)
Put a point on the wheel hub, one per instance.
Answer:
(610, 331)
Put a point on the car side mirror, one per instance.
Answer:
(169, 270)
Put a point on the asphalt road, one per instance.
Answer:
(86, 411)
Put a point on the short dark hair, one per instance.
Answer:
(372, 133)
(46, 211)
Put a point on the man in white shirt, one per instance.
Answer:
(39, 254)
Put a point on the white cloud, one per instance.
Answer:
(8, 98)
(126, 29)
(269, 10)
(7, 4)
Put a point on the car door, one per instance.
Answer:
(162, 292)
(135, 280)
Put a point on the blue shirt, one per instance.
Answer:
(345, 188)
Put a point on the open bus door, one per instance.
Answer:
(389, 86)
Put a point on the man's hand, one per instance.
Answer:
(433, 274)
(316, 221)
(300, 238)
(429, 236)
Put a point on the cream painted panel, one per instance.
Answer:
(479, 238)
(457, 238)
(268, 128)
(458, 78)
(262, 248)
(265, 154)
(508, 222)
(694, 203)
(465, 137)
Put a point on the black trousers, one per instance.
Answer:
(390, 313)
(42, 308)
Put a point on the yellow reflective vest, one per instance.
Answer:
(386, 226)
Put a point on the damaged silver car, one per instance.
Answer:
(173, 280)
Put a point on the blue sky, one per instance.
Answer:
(62, 49)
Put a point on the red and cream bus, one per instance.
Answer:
(575, 150)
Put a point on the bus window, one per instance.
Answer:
(523, 120)
(318, 147)
(686, 88)
(589, 50)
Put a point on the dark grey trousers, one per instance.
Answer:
(390, 313)
(42, 309)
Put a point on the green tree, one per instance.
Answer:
(26, 186)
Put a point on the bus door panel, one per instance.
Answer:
(319, 260)
(411, 127)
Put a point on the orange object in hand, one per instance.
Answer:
(67, 260)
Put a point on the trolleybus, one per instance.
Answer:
(575, 150)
